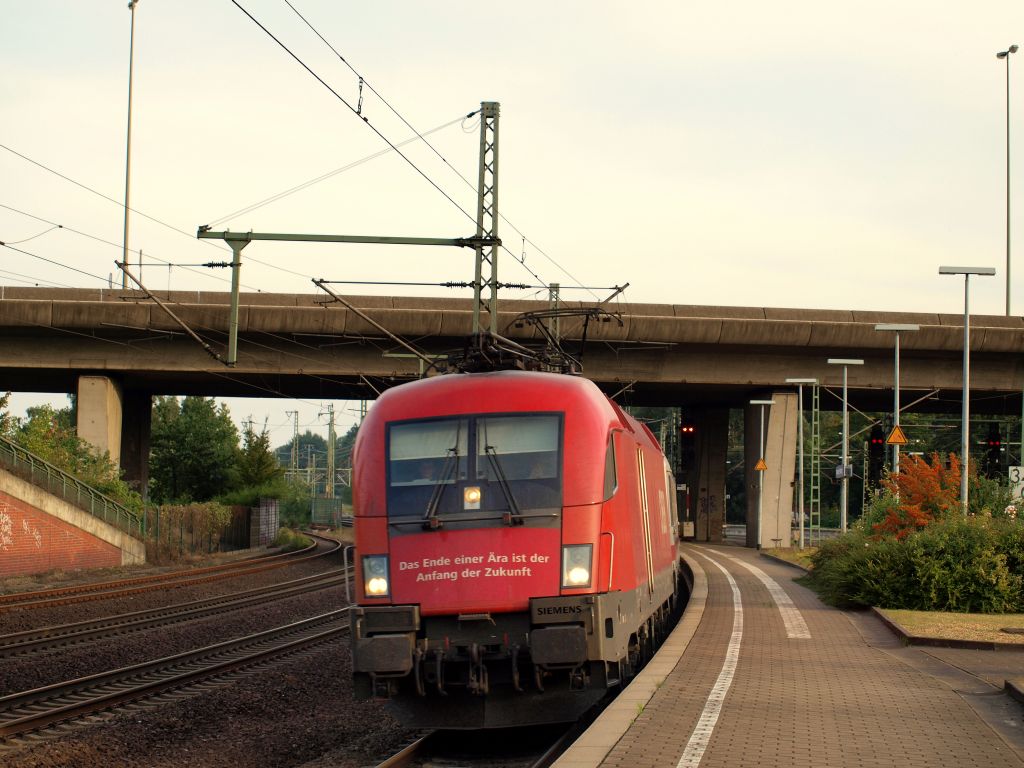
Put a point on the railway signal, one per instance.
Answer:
(993, 452)
(876, 456)
(687, 447)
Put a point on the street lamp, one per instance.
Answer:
(897, 328)
(845, 488)
(128, 144)
(760, 476)
(965, 412)
(800, 496)
(1006, 55)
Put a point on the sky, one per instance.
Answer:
(786, 154)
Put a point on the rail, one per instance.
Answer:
(41, 473)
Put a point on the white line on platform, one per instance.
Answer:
(796, 627)
(701, 736)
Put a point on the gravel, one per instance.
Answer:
(298, 713)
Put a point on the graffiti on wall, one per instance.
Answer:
(6, 531)
(8, 528)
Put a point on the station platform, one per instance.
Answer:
(760, 672)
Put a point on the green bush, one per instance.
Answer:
(968, 565)
(960, 568)
(834, 568)
(289, 540)
(293, 497)
(1010, 543)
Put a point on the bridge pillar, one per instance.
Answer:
(702, 474)
(117, 423)
(99, 414)
(136, 422)
(708, 490)
(780, 438)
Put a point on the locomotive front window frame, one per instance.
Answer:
(516, 459)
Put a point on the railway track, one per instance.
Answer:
(515, 748)
(123, 587)
(33, 641)
(39, 710)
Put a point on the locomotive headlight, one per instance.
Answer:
(375, 575)
(471, 497)
(577, 560)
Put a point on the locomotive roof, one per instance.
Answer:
(501, 392)
(522, 385)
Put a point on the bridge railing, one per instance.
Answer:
(58, 482)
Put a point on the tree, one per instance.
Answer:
(194, 451)
(257, 464)
(6, 420)
(50, 434)
(343, 458)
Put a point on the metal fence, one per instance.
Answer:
(329, 512)
(41, 473)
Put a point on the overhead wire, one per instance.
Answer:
(35, 281)
(45, 232)
(189, 235)
(323, 177)
(51, 261)
(108, 242)
(105, 197)
(342, 99)
(363, 81)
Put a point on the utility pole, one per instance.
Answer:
(554, 299)
(128, 145)
(487, 217)
(311, 468)
(295, 444)
(329, 486)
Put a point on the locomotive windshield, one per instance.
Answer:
(475, 469)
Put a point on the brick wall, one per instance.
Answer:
(32, 541)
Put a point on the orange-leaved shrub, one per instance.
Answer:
(924, 491)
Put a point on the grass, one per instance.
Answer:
(960, 626)
(801, 557)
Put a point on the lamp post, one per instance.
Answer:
(1006, 55)
(965, 413)
(760, 476)
(897, 328)
(844, 495)
(128, 142)
(800, 446)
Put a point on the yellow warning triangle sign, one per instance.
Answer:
(896, 437)
(760, 466)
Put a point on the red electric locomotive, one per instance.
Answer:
(516, 548)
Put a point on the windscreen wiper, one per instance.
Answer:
(513, 516)
(430, 518)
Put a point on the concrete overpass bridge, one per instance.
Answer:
(117, 348)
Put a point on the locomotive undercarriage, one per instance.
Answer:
(486, 670)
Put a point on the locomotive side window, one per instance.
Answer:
(611, 480)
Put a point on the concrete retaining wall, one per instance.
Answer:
(40, 532)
